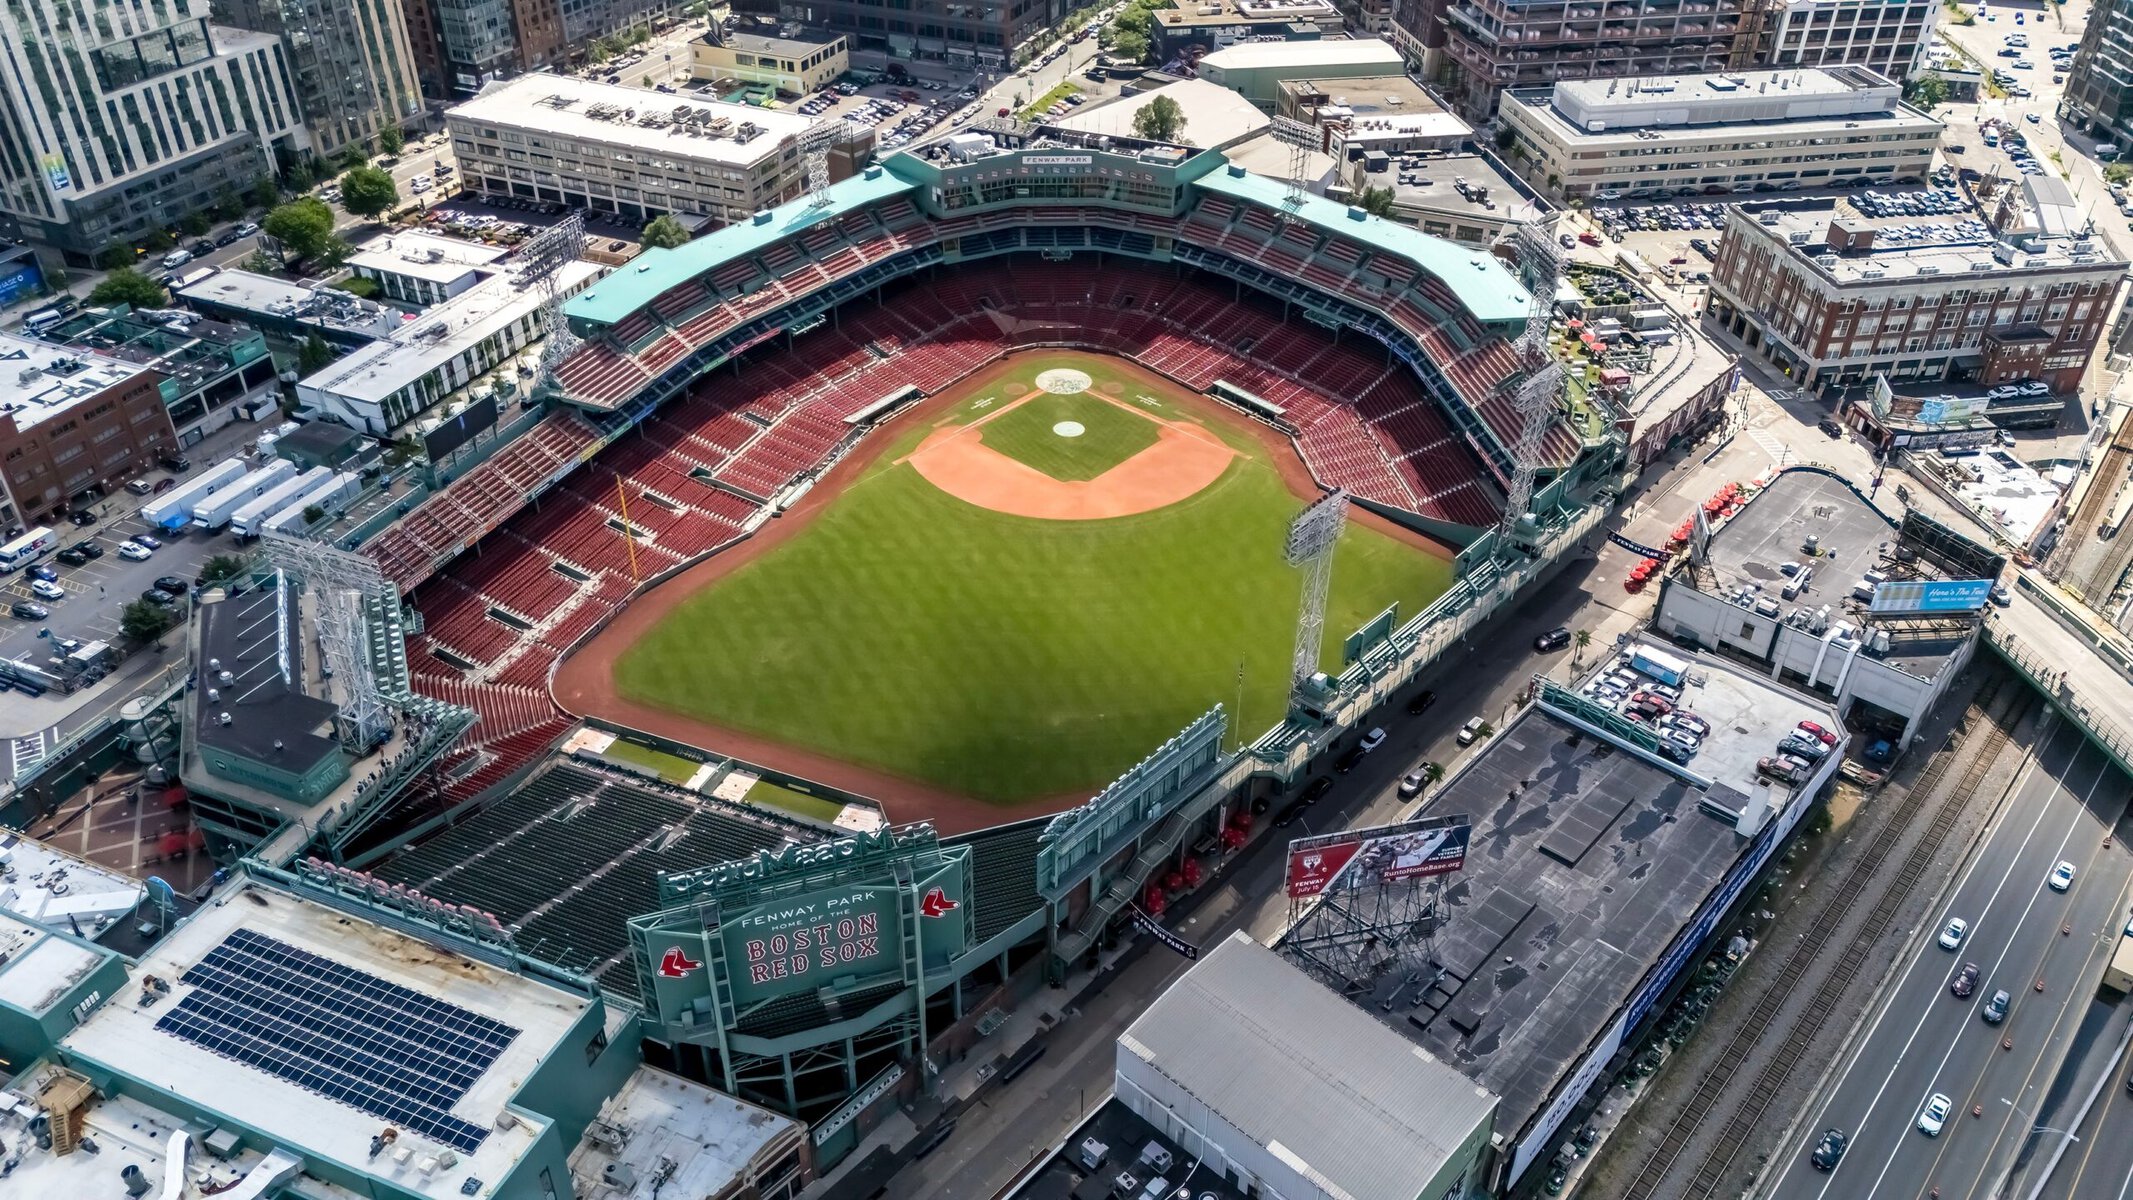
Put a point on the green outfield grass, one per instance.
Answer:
(1008, 658)
(1110, 435)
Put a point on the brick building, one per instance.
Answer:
(72, 421)
(1831, 297)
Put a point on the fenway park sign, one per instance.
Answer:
(811, 941)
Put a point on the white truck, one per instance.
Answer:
(2118, 973)
(252, 515)
(214, 511)
(333, 495)
(175, 507)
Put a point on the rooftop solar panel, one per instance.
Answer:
(345, 1034)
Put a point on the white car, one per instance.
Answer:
(45, 589)
(1934, 1115)
(134, 551)
(1951, 935)
(2061, 878)
(1372, 740)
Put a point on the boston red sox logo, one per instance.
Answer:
(936, 903)
(676, 964)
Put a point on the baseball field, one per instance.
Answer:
(1006, 597)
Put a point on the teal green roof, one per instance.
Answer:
(1483, 285)
(654, 272)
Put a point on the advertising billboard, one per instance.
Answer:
(1931, 595)
(456, 430)
(1377, 854)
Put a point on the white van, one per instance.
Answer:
(176, 258)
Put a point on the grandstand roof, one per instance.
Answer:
(655, 271)
(1481, 283)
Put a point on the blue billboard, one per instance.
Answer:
(19, 280)
(1931, 595)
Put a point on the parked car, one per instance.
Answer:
(88, 548)
(134, 551)
(1471, 731)
(247, 229)
(1830, 428)
(172, 584)
(1964, 982)
(1803, 747)
(30, 611)
(1420, 702)
(1412, 783)
(1372, 740)
(1817, 732)
(158, 597)
(44, 571)
(82, 517)
(1348, 762)
(153, 543)
(73, 557)
(45, 589)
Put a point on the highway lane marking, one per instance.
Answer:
(2089, 962)
(2102, 1116)
(1972, 1094)
(1928, 1010)
(1888, 1004)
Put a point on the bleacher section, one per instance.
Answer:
(1003, 864)
(567, 857)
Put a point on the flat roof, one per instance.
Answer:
(1716, 97)
(442, 334)
(1288, 1063)
(1905, 247)
(424, 255)
(760, 43)
(40, 380)
(37, 968)
(122, 1036)
(1475, 278)
(1585, 862)
(1125, 1135)
(653, 272)
(57, 889)
(2005, 490)
(569, 109)
(127, 1131)
(1771, 530)
(1327, 52)
(257, 639)
(1436, 179)
(268, 296)
(711, 1138)
(1215, 116)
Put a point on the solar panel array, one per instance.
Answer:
(345, 1034)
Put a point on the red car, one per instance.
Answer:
(1651, 703)
(1817, 732)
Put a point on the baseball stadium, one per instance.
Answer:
(891, 595)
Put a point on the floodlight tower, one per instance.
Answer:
(540, 265)
(1538, 389)
(1312, 537)
(1302, 139)
(815, 146)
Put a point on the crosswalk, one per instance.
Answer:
(1770, 445)
(28, 750)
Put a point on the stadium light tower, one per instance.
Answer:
(1538, 389)
(539, 265)
(1312, 537)
(1302, 139)
(815, 146)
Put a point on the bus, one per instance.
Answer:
(27, 549)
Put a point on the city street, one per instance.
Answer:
(2043, 947)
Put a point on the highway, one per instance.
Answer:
(2100, 1165)
(1920, 1039)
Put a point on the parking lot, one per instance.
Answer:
(95, 594)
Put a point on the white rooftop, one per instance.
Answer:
(121, 1036)
(712, 1138)
(37, 968)
(39, 380)
(1907, 247)
(1215, 116)
(424, 256)
(264, 294)
(2004, 490)
(582, 110)
(1333, 52)
(54, 888)
(1725, 97)
(442, 334)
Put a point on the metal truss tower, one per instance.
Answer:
(540, 263)
(815, 146)
(1538, 388)
(1356, 935)
(358, 613)
(1302, 139)
(1312, 537)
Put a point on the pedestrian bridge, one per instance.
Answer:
(2083, 666)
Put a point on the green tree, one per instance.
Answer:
(1160, 120)
(128, 286)
(265, 193)
(303, 226)
(259, 262)
(391, 140)
(1583, 639)
(663, 233)
(145, 622)
(2117, 172)
(1506, 137)
(222, 568)
(368, 191)
(313, 514)
(116, 256)
(228, 206)
(195, 223)
(158, 241)
(1927, 92)
(1130, 44)
(359, 287)
(1377, 201)
(314, 355)
(334, 254)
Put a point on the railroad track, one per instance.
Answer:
(1753, 1031)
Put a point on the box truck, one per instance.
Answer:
(214, 512)
(175, 507)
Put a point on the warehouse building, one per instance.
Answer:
(626, 153)
(1689, 134)
(1256, 70)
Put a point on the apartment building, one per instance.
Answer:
(2099, 84)
(74, 421)
(1831, 297)
(1688, 134)
(965, 34)
(628, 153)
(1216, 24)
(462, 45)
(116, 127)
(1488, 47)
(351, 62)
